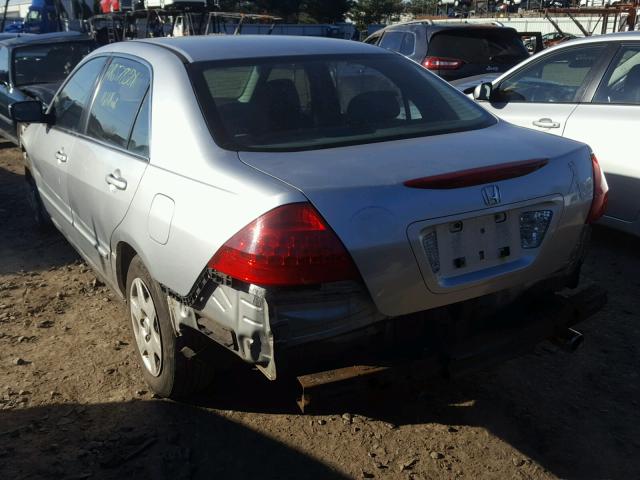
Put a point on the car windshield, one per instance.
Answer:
(479, 45)
(310, 102)
(49, 63)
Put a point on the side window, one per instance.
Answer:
(621, 84)
(139, 142)
(69, 104)
(373, 40)
(401, 42)
(408, 45)
(556, 78)
(117, 101)
(392, 41)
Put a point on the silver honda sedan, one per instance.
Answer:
(276, 194)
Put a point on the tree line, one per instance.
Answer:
(362, 12)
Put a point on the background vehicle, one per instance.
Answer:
(454, 51)
(319, 195)
(33, 67)
(554, 38)
(588, 90)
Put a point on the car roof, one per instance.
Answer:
(609, 37)
(26, 39)
(228, 47)
(433, 28)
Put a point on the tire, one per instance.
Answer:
(39, 214)
(166, 369)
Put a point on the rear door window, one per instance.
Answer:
(117, 101)
(479, 46)
(556, 78)
(68, 106)
(621, 84)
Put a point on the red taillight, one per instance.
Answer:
(290, 245)
(441, 63)
(600, 192)
(477, 176)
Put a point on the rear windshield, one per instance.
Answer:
(479, 45)
(48, 63)
(311, 102)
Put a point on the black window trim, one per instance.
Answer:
(147, 95)
(85, 114)
(613, 55)
(600, 63)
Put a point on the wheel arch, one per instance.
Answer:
(125, 253)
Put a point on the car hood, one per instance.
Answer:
(360, 192)
(41, 91)
(467, 84)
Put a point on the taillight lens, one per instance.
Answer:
(290, 245)
(442, 63)
(600, 192)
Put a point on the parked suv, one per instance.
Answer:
(454, 51)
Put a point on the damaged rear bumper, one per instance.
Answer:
(451, 353)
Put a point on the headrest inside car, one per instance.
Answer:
(373, 107)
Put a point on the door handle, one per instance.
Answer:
(61, 157)
(116, 180)
(546, 123)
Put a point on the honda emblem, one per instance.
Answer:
(491, 195)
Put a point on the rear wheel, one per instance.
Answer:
(166, 369)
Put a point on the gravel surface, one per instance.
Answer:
(73, 405)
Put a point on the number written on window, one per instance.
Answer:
(118, 101)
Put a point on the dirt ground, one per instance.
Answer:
(73, 405)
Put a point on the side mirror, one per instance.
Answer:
(483, 91)
(28, 111)
(4, 78)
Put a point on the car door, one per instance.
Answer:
(609, 123)
(51, 154)
(542, 94)
(110, 157)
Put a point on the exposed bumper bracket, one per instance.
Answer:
(549, 320)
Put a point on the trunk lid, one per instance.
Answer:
(360, 192)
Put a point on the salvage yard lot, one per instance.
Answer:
(73, 403)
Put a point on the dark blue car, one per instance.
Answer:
(33, 67)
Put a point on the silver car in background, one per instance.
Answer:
(588, 90)
(283, 196)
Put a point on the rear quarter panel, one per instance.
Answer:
(211, 193)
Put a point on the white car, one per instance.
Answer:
(586, 89)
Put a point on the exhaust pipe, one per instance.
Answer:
(569, 340)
